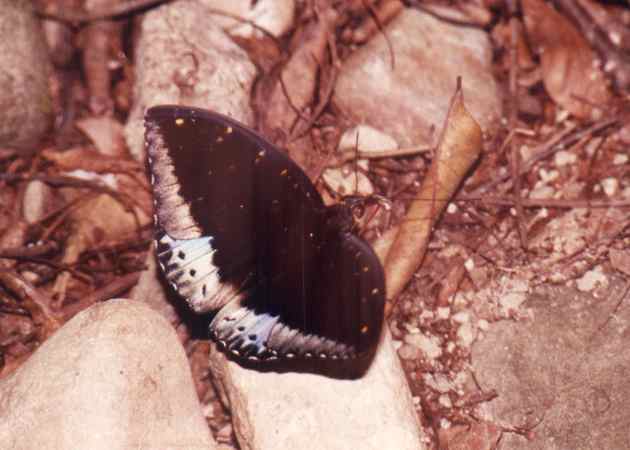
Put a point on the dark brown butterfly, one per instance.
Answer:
(242, 232)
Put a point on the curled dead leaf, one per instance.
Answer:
(106, 133)
(570, 69)
(620, 260)
(458, 149)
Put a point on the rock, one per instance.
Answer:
(366, 139)
(288, 410)
(273, 16)
(114, 377)
(412, 98)
(183, 58)
(349, 180)
(24, 70)
(430, 345)
(153, 292)
(562, 375)
(38, 200)
(409, 352)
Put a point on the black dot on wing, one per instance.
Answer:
(252, 337)
(241, 328)
(204, 291)
(181, 255)
(192, 272)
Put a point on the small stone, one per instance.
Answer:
(620, 159)
(542, 193)
(564, 158)
(461, 317)
(443, 312)
(366, 139)
(466, 334)
(591, 279)
(430, 346)
(610, 186)
(445, 401)
(409, 352)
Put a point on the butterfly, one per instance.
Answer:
(242, 232)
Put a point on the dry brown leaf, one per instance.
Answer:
(86, 159)
(478, 435)
(570, 68)
(106, 133)
(99, 219)
(295, 88)
(620, 260)
(459, 147)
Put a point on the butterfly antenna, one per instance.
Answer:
(356, 163)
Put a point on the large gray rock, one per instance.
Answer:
(564, 374)
(114, 377)
(315, 412)
(183, 58)
(24, 69)
(410, 98)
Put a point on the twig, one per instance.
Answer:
(548, 203)
(302, 128)
(515, 154)
(377, 20)
(37, 303)
(119, 285)
(349, 155)
(62, 180)
(30, 251)
(113, 11)
(561, 141)
(616, 61)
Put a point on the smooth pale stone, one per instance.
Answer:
(38, 200)
(366, 139)
(114, 377)
(151, 291)
(347, 180)
(307, 411)
(24, 71)
(184, 58)
(273, 16)
(409, 101)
